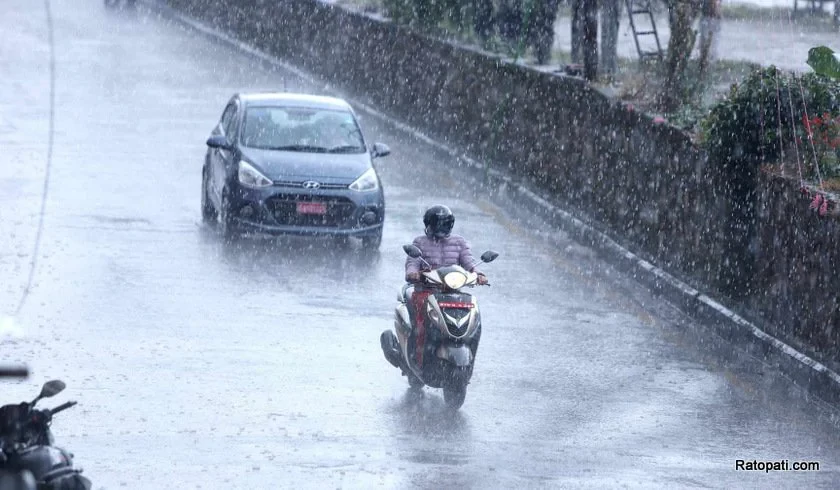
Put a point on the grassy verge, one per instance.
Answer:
(803, 16)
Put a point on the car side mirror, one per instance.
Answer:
(380, 150)
(489, 256)
(218, 141)
(412, 251)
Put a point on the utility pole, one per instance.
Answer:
(610, 12)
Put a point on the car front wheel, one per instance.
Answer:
(228, 228)
(208, 211)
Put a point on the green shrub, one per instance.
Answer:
(744, 129)
(429, 13)
(400, 11)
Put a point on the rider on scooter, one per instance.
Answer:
(440, 249)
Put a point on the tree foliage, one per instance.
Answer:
(824, 62)
(764, 116)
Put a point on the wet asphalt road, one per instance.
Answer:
(203, 366)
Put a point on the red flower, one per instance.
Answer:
(807, 124)
(817, 202)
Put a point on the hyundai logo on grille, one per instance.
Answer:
(311, 184)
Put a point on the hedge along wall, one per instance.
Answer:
(647, 183)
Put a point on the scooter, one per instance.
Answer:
(26, 446)
(453, 330)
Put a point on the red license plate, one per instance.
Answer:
(311, 208)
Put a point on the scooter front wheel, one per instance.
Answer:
(455, 392)
(454, 396)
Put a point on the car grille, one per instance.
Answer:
(299, 185)
(284, 210)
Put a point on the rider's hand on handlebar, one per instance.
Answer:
(482, 279)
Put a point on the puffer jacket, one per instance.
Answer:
(453, 250)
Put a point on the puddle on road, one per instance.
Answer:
(117, 219)
(437, 457)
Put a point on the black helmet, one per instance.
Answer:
(439, 221)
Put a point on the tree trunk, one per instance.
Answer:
(680, 46)
(709, 27)
(509, 19)
(577, 31)
(610, 12)
(483, 20)
(541, 33)
(590, 39)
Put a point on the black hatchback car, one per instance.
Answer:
(280, 163)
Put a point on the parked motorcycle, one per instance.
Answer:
(16, 480)
(453, 330)
(26, 446)
(115, 3)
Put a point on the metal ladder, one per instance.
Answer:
(642, 7)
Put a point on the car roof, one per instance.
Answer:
(287, 99)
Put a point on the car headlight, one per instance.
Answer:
(455, 280)
(251, 177)
(367, 182)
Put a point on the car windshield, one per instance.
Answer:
(301, 129)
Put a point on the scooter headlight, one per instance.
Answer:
(455, 280)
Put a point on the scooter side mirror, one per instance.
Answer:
(51, 388)
(489, 256)
(412, 251)
(21, 372)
